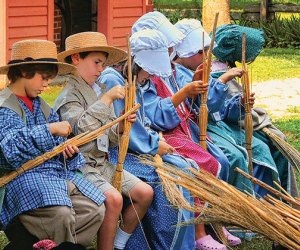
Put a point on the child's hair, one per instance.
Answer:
(82, 55)
(135, 69)
(28, 71)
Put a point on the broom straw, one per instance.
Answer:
(275, 220)
(288, 198)
(130, 89)
(203, 110)
(75, 141)
(248, 115)
(292, 154)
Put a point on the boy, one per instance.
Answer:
(84, 105)
(51, 200)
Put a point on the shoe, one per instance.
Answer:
(208, 243)
(232, 240)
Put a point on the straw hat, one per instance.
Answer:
(91, 41)
(35, 52)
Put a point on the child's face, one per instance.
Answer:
(191, 62)
(36, 85)
(143, 76)
(91, 66)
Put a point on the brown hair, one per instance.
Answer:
(135, 69)
(29, 70)
(83, 55)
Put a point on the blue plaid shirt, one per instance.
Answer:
(44, 185)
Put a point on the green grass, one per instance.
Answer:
(50, 94)
(291, 127)
(276, 63)
(234, 4)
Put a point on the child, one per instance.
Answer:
(83, 103)
(51, 200)
(230, 36)
(167, 111)
(162, 222)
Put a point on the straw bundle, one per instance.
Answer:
(130, 92)
(170, 189)
(203, 110)
(75, 141)
(274, 219)
(248, 116)
(292, 154)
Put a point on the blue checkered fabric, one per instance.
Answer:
(44, 185)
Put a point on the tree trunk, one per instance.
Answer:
(210, 8)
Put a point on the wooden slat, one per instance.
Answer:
(27, 11)
(127, 12)
(293, 8)
(119, 41)
(24, 32)
(27, 3)
(124, 21)
(121, 32)
(27, 21)
(131, 3)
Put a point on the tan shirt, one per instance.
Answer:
(78, 104)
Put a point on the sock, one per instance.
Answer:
(121, 239)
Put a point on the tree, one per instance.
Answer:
(210, 8)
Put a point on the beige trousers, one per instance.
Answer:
(78, 224)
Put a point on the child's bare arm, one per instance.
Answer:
(60, 128)
(190, 90)
(117, 92)
(230, 74)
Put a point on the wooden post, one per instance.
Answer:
(3, 39)
(264, 9)
(210, 8)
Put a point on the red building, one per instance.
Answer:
(56, 19)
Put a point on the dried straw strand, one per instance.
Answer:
(75, 141)
(203, 110)
(248, 116)
(130, 90)
(292, 154)
(275, 219)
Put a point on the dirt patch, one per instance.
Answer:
(279, 97)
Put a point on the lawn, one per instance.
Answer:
(276, 63)
(234, 4)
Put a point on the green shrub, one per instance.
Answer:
(280, 32)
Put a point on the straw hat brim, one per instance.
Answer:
(115, 55)
(63, 68)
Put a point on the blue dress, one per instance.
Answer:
(223, 112)
(161, 222)
(163, 116)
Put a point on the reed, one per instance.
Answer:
(270, 217)
(203, 110)
(75, 141)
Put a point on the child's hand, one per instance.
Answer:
(70, 151)
(194, 88)
(164, 148)
(198, 73)
(230, 74)
(131, 118)
(60, 128)
(251, 100)
(117, 92)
